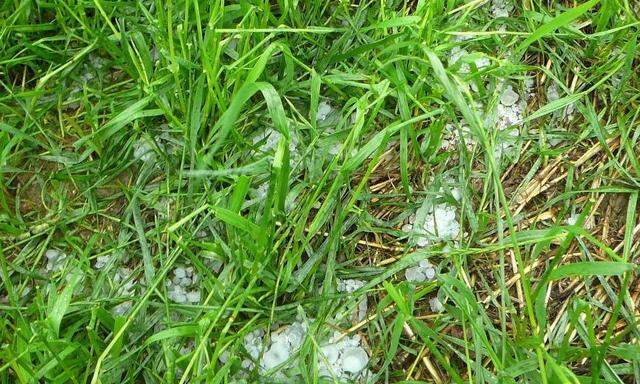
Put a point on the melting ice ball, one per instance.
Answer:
(435, 305)
(277, 354)
(354, 360)
(352, 285)
(324, 109)
(55, 260)
(424, 271)
(443, 223)
(183, 287)
(440, 225)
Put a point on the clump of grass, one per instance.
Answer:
(278, 151)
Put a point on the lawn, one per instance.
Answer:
(424, 191)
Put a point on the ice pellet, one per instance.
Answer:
(509, 97)
(324, 109)
(354, 360)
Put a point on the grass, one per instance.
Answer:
(222, 100)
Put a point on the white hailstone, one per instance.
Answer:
(295, 334)
(353, 118)
(422, 272)
(178, 295)
(163, 207)
(510, 113)
(509, 116)
(553, 94)
(87, 75)
(354, 360)
(97, 62)
(324, 109)
(414, 275)
(55, 260)
(343, 358)
(340, 357)
(350, 286)
(102, 261)
(52, 254)
(455, 191)
(143, 151)
(247, 364)
(507, 146)
(442, 223)
(509, 97)
(25, 292)
(482, 62)
(193, 296)
(277, 354)
(126, 288)
(456, 54)
(573, 219)
(529, 86)
(451, 136)
(252, 342)
(331, 353)
(121, 274)
(215, 265)
(261, 191)
(459, 38)
(334, 149)
(155, 54)
(435, 305)
(283, 344)
(270, 138)
(180, 287)
(422, 241)
(616, 80)
(501, 8)
(72, 96)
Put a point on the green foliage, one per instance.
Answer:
(156, 134)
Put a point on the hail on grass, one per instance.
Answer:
(55, 260)
(420, 273)
(123, 278)
(440, 225)
(339, 357)
(183, 288)
(350, 286)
